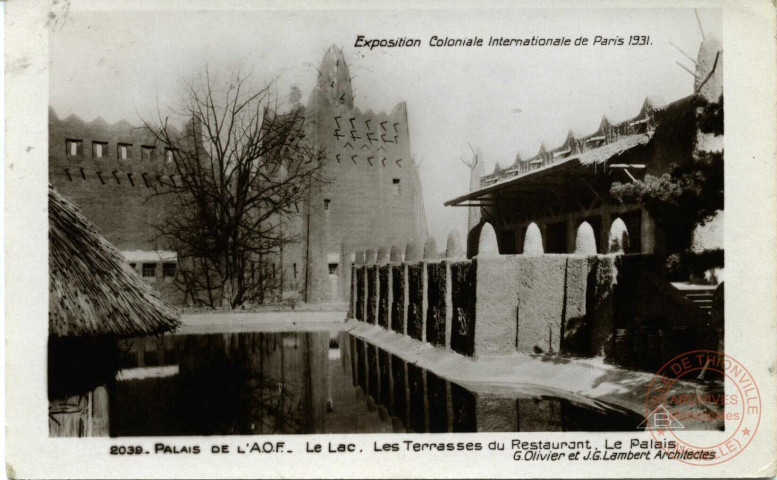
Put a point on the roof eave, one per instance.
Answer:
(566, 164)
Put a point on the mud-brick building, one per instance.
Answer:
(109, 171)
(372, 192)
(559, 188)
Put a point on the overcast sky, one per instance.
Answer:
(503, 100)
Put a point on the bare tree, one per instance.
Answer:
(243, 171)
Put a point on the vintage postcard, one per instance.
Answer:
(390, 240)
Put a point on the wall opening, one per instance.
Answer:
(149, 270)
(633, 221)
(473, 238)
(123, 151)
(169, 155)
(74, 147)
(168, 271)
(556, 237)
(506, 241)
(147, 153)
(99, 149)
(327, 204)
(397, 186)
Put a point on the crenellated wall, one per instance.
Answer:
(117, 194)
(114, 193)
(581, 304)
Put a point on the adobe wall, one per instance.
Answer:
(581, 305)
(114, 194)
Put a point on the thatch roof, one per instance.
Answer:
(572, 164)
(92, 290)
(614, 149)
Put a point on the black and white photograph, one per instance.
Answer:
(466, 232)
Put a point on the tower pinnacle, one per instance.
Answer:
(334, 78)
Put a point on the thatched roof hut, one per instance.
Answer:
(92, 290)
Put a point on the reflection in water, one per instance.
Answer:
(312, 382)
(248, 383)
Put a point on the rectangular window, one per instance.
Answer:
(397, 187)
(327, 204)
(147, 153)
(295, 271)
(123, 151)
(332, 269)
(273, 271)
(133, 266)
(149, 270)
(99, 149)
(169, 155)
(74, 147)
(168, 270)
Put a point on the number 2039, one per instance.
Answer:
(126, 450)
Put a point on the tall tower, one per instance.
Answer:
(372, 195)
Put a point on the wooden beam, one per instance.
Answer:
(686, 69)
(638, 166)
(681, 51)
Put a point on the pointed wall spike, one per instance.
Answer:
(396, 254)
(382, 256)
(532, 244)
(453, 247)
(487, 244)
(430, 249)
(411, 252)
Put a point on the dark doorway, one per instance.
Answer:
(506, 240)
(556, 237)
(633, 221)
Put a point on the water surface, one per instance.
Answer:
(311, 382)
